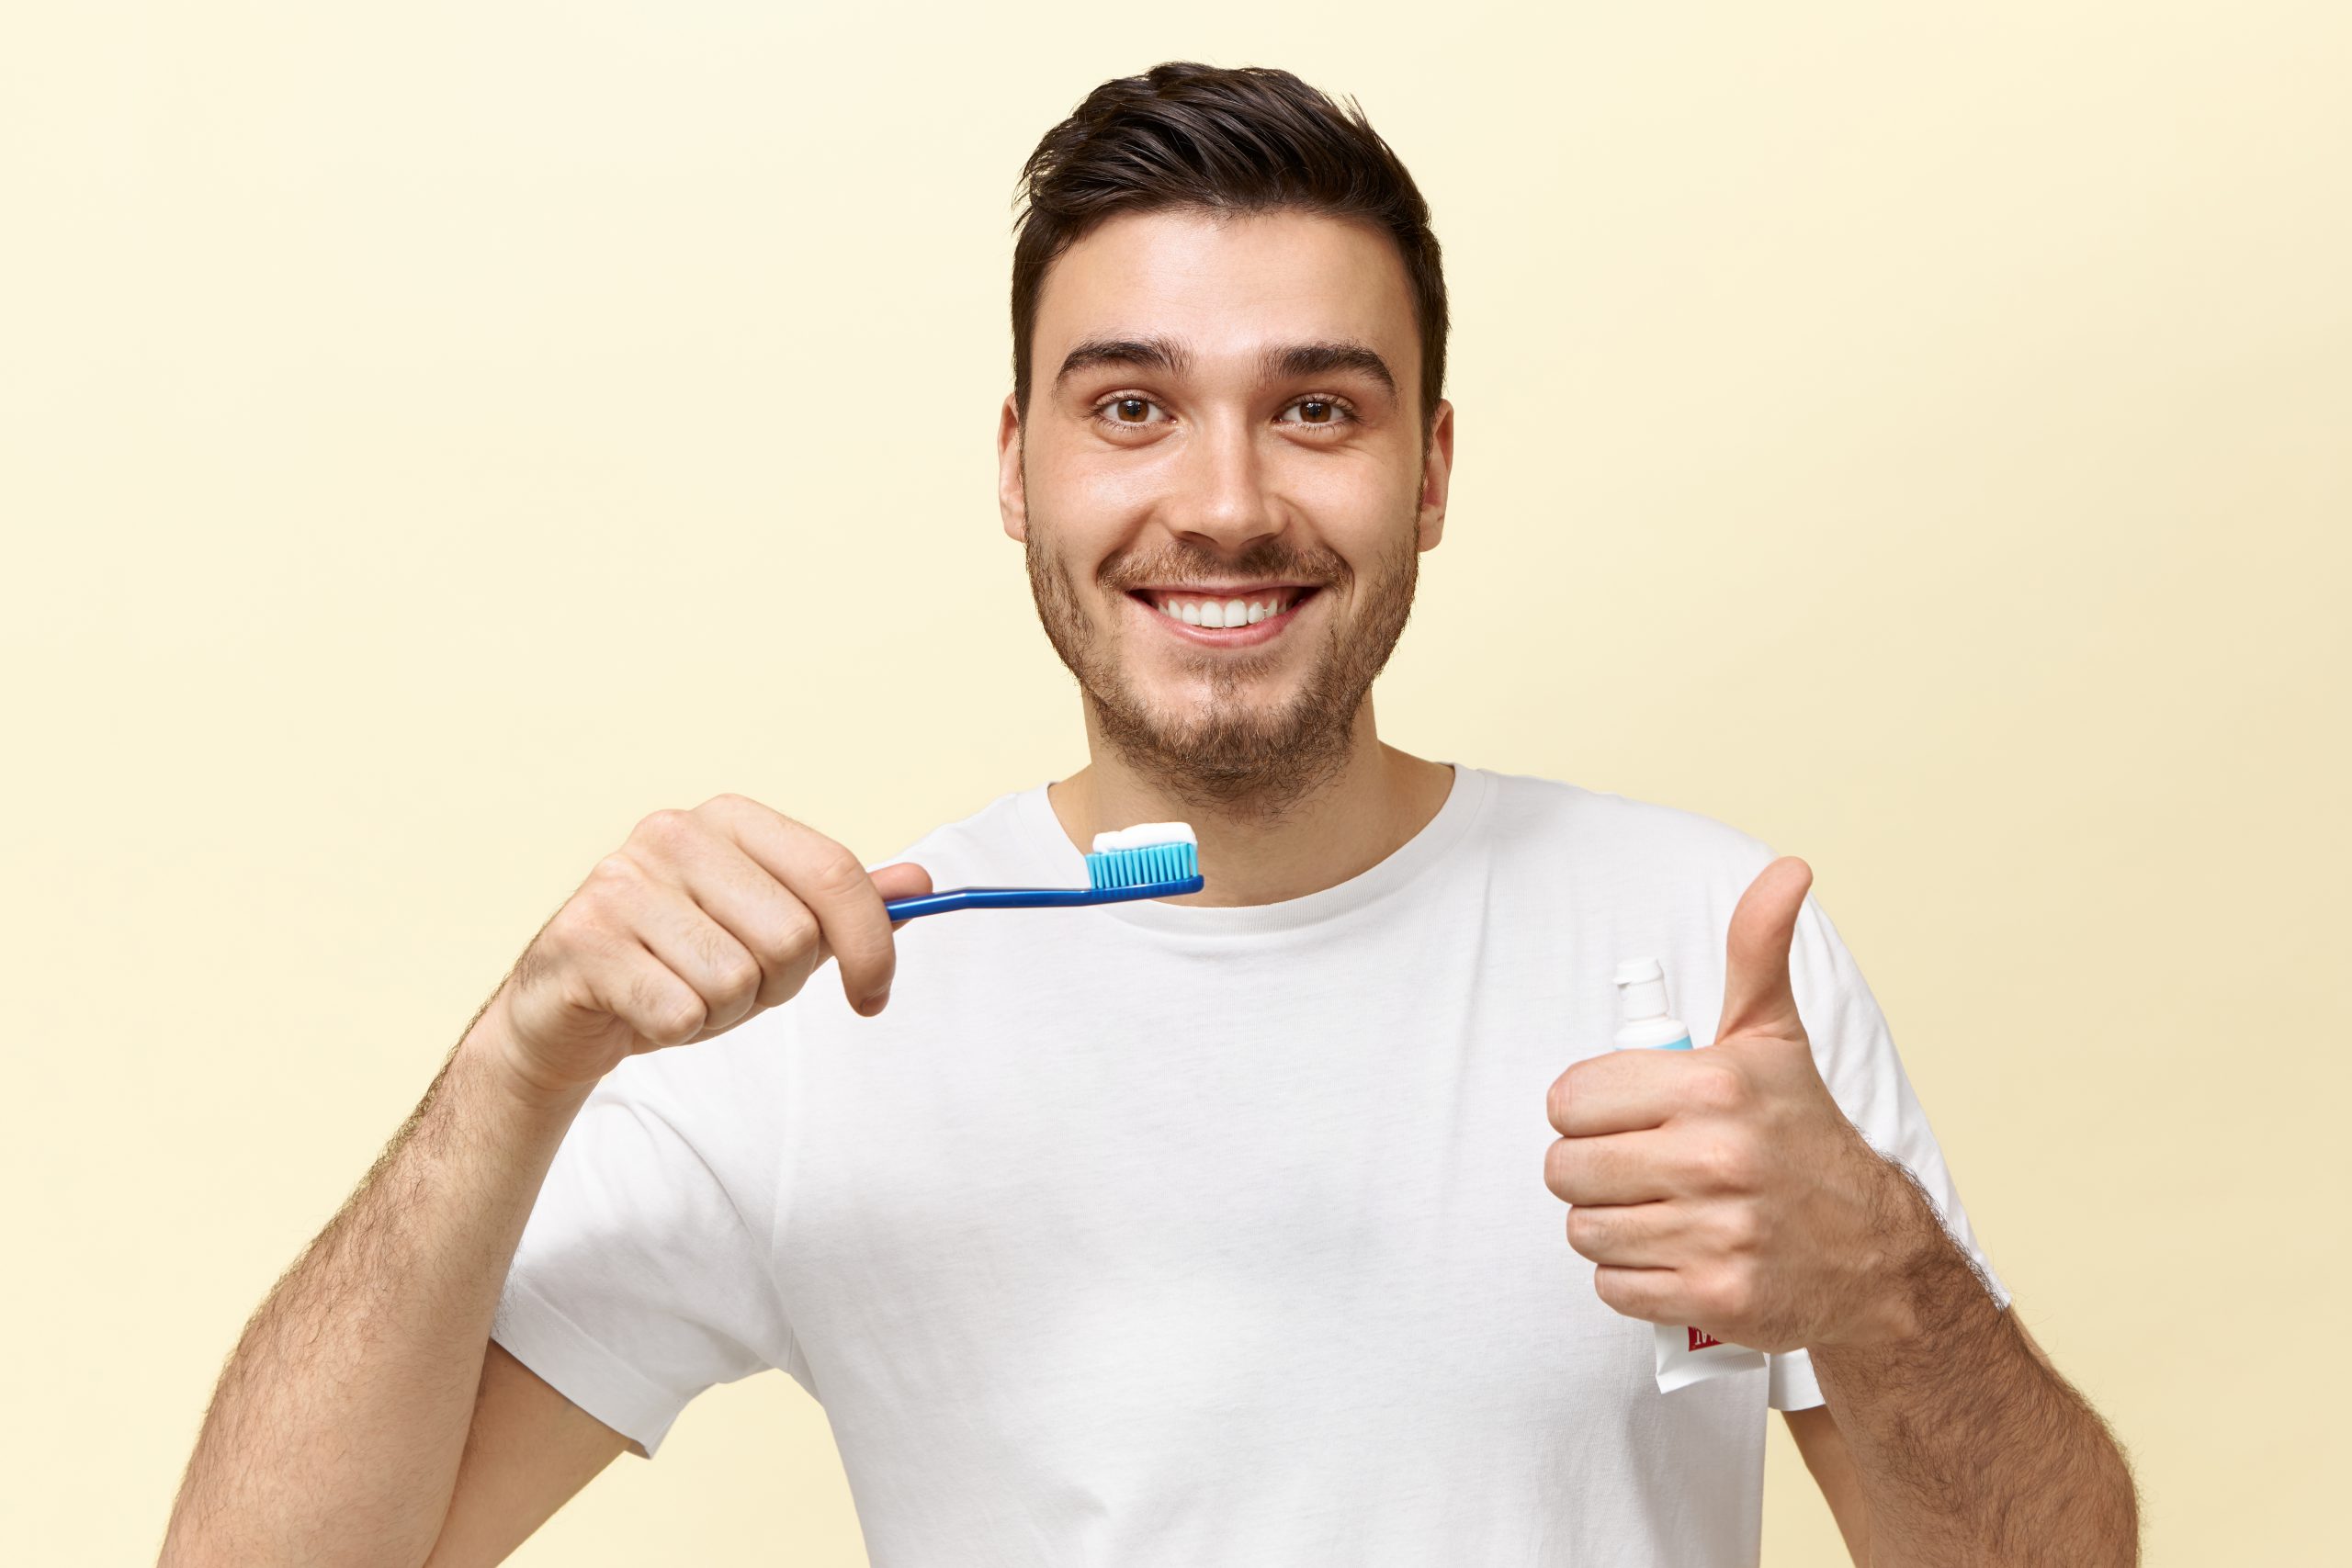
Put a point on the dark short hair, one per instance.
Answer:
(1248, 140)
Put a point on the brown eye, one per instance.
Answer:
(1322, 413)
(1132, 411)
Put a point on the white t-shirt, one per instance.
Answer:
(1161, 1234)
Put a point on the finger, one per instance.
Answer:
(1757, 997)
(1622, 1167)
(1634, 1236)
(1619, 1091)
(833, 882)
(633, 983)
(698, 951)
(900, 879)
(781, 934)
(1655, 1294)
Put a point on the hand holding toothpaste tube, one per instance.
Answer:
(1724, 1189)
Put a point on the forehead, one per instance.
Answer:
(1228, 285)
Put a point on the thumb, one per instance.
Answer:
(900, 879)
(1757, 998)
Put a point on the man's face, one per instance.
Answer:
(1224, 427)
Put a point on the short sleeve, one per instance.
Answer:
(643, 1274)
(1856, 1054)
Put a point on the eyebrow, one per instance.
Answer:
(1290, 362)
(1304, 359)
(1164, 355)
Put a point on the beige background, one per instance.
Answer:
(433, 436)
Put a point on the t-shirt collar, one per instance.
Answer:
(1464, 804)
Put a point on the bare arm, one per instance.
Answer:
(337, 1429)
(1832, 1465)
(364, 1420)
(1725, 1188)
(530, 1452)
(1966, 1444)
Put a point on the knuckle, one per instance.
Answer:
(616, 870)
(1556, 1171)
(1727, 1164)
(1587, 1230)
(1729, 1294)
(784, 980)
(1740, 1228)
(837, 873)
(572, 931)
(793, 933)
(1555, 1101)
(769, 951)
(721, 957)
(594, 921)
(1744, 1162)
(605, 936)
(662, 828)
(672, 1014)
(1718, 1086)
(738, 976)
(578, 990)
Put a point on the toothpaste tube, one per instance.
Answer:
(1685, 1355)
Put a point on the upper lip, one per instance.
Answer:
(1219, 591)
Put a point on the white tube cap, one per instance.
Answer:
(1640, 990)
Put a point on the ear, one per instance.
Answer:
(1012, 492)
(1437, 472)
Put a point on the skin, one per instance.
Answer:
(1230, 478)
(365, 1417)
(1725, 1188)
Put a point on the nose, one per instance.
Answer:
(1220, 500)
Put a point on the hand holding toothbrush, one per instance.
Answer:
(706, 918)
(702, 919)
(1725, 1188)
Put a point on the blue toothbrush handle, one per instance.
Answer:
(1031, 897)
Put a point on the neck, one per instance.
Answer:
(1359, 814)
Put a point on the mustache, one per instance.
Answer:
(1175, 568)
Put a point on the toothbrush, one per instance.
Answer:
(1157, 860)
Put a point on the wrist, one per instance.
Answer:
(490, 1054)
(1915, 1279)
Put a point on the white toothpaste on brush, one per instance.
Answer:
(1685, 1355)
(1144, 836)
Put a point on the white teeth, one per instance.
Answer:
(1220, 614)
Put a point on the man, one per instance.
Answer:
(1207, 1230)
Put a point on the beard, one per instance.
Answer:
(1232, 749)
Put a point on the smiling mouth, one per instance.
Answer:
(1212, 611)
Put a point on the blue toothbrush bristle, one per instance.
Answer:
(1139, 867)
